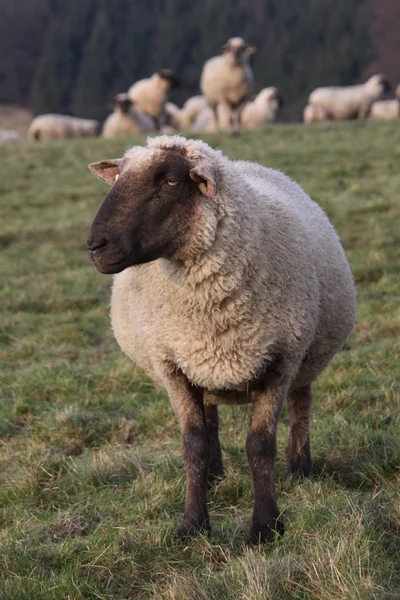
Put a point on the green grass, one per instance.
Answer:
(91, 474)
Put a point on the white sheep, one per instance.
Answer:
(149, 95)
(52, 127)
(231, 285)
(10, 135)
(313, 114)
(350, 102)
(262, 110)
(206, 121)
(183, 118)
(385, 110)
(228, 80)
(126, 119)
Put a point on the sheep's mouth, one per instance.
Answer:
(106, 267)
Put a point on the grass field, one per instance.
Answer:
(91, 474)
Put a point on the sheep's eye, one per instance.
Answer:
(171, 181)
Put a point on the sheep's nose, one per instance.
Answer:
(96, 245)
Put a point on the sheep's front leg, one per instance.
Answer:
(261, 453)
(187, 402)
(298, 449)
(216, 468)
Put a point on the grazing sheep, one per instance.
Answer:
(262, 110)
(228, 80)
(351, 102)
(126, 119)
(313, 114)
(231, 286)
(53, 127)
(149, 95)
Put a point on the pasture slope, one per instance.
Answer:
(91, 474)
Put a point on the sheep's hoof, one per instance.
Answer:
(299, 467)
(260, 534)
(187, 530)
(216, 474)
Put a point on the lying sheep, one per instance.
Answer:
(10, 135)
(53, 127)
(385, 110)
(149, 95)
(313, 114)
(262, 110)
(228, 80)
(183, 118)
(126, 119)
(351, 102)
(206, 122)
(231, 286)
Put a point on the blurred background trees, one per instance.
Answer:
(73, 57)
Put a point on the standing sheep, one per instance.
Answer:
(228, 80)
(263, 109)
(351, 102)
(149, 95)
(254, 298)
(126, 120)
(54, 127)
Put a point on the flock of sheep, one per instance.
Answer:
(225, 104)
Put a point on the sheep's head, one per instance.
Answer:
(121, 103)
(160, 206)
(237, 51)
(378, 85)
(270, 96)
(171, 80)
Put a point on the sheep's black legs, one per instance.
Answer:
(187, 402)
(216, 468)
(298, 449)
(261, 452)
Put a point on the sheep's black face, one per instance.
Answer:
(145, 216)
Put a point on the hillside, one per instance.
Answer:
(91, 474)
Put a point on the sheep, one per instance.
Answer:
(10, 135)
(230, 286)
(385, 110)
(228, 80)
(206, 122)
(126, 119)
(351, 102)
(312, 114)
(52, 127)
(262, 110)
(149, 95)
(183, 118)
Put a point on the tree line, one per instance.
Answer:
(73, 57)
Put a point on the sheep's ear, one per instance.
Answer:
(250, 49)
(106, 170)
(205, 176)
(224, 48)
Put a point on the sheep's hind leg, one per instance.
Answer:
(261, 453)
(298, 449)
(216, 468)
(187, 402)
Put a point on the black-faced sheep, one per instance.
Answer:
(126, 119)
(149, 95)
(231, 286)
(228, 80)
